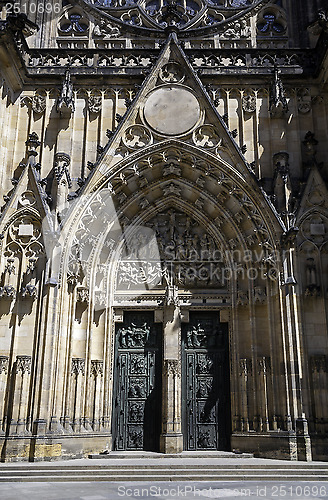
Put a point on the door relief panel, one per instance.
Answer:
(206, 372)
(137, 390)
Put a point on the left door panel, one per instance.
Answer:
(137, 383)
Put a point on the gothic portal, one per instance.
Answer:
(164, 227)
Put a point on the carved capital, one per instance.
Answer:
(260, 295)
(264, 365)
(97, 367)
(30, 291)
(4, 363)
(242, 298)
(78, 366)
(172, 367)
(23, 364)
(245, 367)
(7, 292)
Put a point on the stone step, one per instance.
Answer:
(159, 477)
(124, 465)
(53, 472)
(185, 454)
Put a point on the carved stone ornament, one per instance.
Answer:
(172, 368)
(78, 366)
(97, 367)
(7, 292)
(10, 267)
(30, 291)
(105, 30)
(137, 137)
(61, 167)
(172, 72)
(171, 188)
(27, 199)
(239, 29)
(32, 144)
(4, 363)
(82, 295)
(304, 101)
(134, 336)
(242, 299)
(94, 104)
(206, 137)
(245, 367)
(249, 103)
(260, 296)
(65, 101)
(38, 104)
(264, 365)
(171, 295)
(278, 103)
(23, 364)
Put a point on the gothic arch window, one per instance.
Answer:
(271, 22)
(73, 23)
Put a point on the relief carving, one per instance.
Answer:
(134, 336)
(23, 364)
(249, 103)
(136, 137)
(4, 364)
(78, 366)
(94, 104)
(206, 137)
(38, 104)
(97, 367)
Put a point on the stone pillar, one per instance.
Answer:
(77, 372)
(264, 365)
(319, 370)
(97, 369)
(171, 439)
(245, 371)
(295, 365)
(4, 360)
(19, 411)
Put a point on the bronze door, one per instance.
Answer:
(206, 387)
(137, 383)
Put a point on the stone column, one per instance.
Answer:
(264, 365)
(22, 378)
(77, 372)
(319, 369)
(171, 440)
(97, 369)
(4, 361)
(245, 371)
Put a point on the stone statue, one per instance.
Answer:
(66, 99)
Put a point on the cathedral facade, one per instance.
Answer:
(164, 227)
